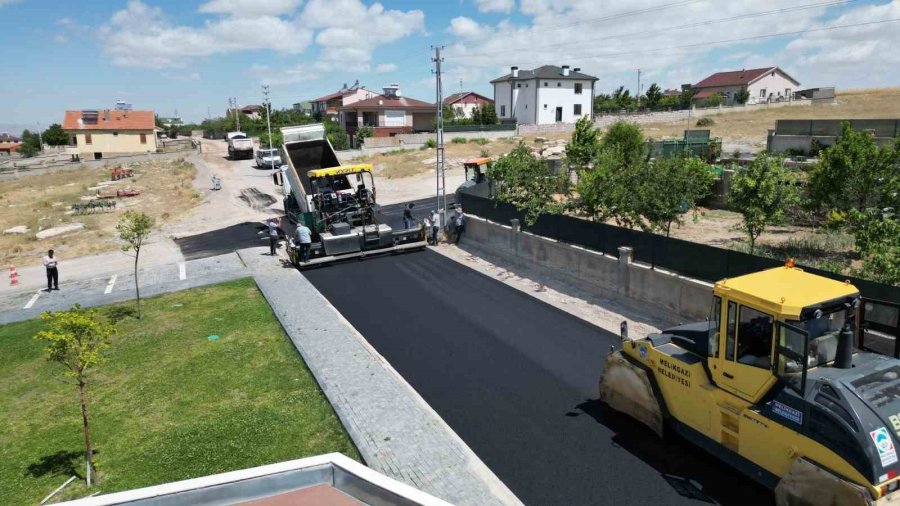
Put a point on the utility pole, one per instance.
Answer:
(40, 136)
(268, 113)
(639, 89)
(237, 114)
(439, 138)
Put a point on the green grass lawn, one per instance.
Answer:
(169, 404)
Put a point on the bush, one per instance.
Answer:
(481, 141)
(704, 122)
(458, 140)
(430, 143)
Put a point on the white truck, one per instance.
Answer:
(268, 158)
(239, 145)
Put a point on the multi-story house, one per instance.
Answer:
(545, 95)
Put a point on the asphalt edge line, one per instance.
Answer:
(501, 491)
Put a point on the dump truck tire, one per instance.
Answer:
(626, 388)
(808, 484)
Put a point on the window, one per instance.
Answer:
(143, 138)
(715, 319)
(762, 93)
(502, 110)
(577, 109)
(394, 118)
(518, 85)
(755, 338)
(526, 85)
(87, 139)
(545, 106)
(730, 329)
(545, 84)
(578, 88)
(787, 92)
(792, 352)
(558, 84)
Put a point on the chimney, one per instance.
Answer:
(565, 70)
(514, 71)
(106, 115)
(576, 69)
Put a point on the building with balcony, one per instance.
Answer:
(388, 114)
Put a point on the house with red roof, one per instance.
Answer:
(464, 102)
(95, 133)
(767, 84)
(328, 105)
(9, 144)
(389, 114)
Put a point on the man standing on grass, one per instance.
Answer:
(273, 235)
(303, 240)
(50, 262)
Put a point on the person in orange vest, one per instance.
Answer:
(50, 263)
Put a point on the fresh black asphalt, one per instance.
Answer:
(517, 380)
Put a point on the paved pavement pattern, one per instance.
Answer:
(517, 380)
(396, 432)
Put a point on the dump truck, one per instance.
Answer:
(336, 202)
(239, 145)
(772, 385)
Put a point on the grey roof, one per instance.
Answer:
(545, 72)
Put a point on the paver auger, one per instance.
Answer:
(337, 203)
(772, 385)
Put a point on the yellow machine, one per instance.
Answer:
(773, 385)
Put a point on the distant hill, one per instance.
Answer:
(15, 128)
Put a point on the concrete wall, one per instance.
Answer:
(592, 271)
(502, 100)
(417, 140)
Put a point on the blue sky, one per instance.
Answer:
(190, 56)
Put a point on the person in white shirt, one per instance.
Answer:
(50, 262)
(304, 240)
(435, 225)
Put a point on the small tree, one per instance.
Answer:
(762, 193)
(585, 144)
(31, 144)
(55, 136)
(607, 190)
(277, 139)
(363, 133)
(742, 96)
(628, 139)
(670, 187)
(133, 228)
(653, 96)
(527, 182)
(76, 339)
(877, 237)
(855, 174)
(449, 112)
(488, 115)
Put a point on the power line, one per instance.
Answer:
(644, 33)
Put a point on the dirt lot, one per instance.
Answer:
(404, 163)
(41, 202)
(751, 128)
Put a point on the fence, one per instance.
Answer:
(480, 128)
(699, 261)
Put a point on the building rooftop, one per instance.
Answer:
(331, 479)
(384, 102)
(738, 77)
(109, 119)
(545, 72)
(456, 97)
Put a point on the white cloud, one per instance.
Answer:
(8, 2)
(60, 38)
(495, 5)
(251, 8)
(141, 36)
(383, 68)
(348, 40)
(613, 42)
(464, 27)
(193, 76)
(295, 74)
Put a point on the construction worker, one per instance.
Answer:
(303, 240)
(50, 262)
(459, 219)
(435, 226)
(273, 235)
(407, 216)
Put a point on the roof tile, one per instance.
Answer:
(118, 120)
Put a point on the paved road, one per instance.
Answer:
(517, 380)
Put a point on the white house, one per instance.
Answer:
(769, 84)
(545, 95)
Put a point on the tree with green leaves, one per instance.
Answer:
(585, 144)
(133, 228)
(606, 191)
(686, 98)
(449, 112)
(628, 138)
(855, 174)
(526, 181)
(336, 134)
(762, 193)
(55, 136)
(31, 144)
(742, 96)
(667, 188)
(277, 139)
(877, 236)
(652, 96)
(489, 115)
(623, 98)
(77, 339)
(363, 133)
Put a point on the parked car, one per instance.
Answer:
(268, 158)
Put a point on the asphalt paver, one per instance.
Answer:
(517, 380)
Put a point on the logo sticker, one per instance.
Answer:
(785, 411)
(884, 445)
(643, 351)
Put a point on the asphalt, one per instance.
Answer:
(517, 380)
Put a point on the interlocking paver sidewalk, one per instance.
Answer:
(396, 431)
